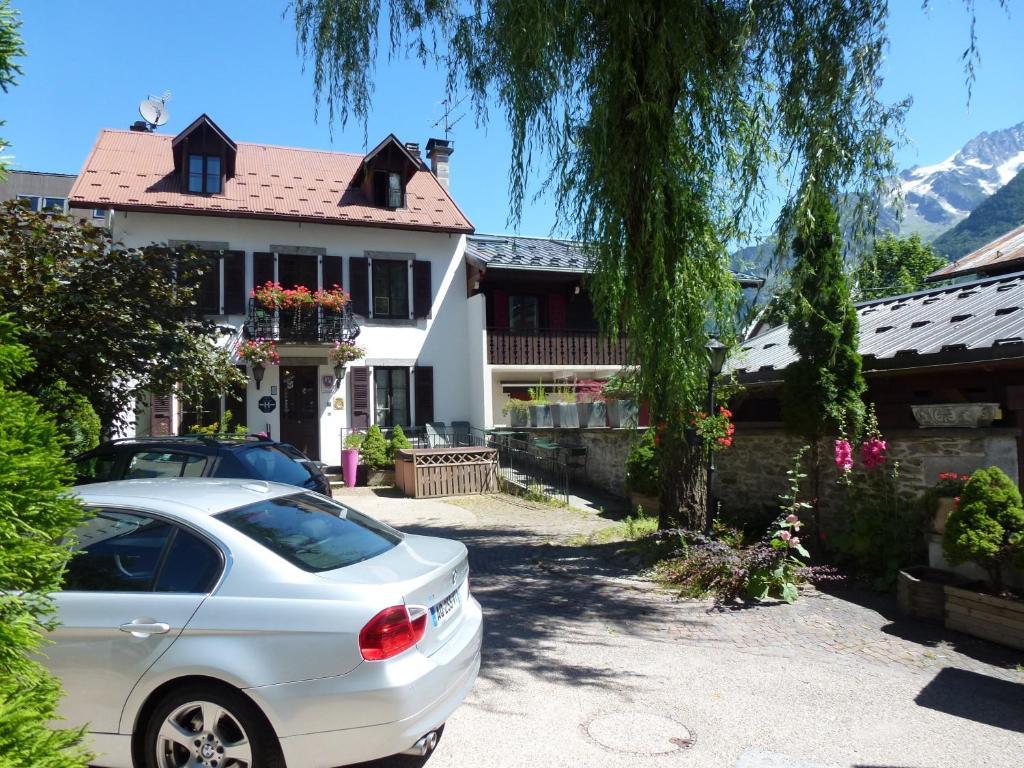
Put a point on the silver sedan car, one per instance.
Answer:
(245, 624)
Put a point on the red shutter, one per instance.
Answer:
(421, 290)
(360, 405)
(499, 304)
(423, 377)
(160, 415)
(332, 272)
(556, 312)
(359, 289)
(262, 269)
(234, 282)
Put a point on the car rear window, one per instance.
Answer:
(269, 463)
(312, 532)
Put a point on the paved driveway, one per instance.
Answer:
(586, 666)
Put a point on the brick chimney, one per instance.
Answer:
(438, 152)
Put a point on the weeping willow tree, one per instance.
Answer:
(667, 126)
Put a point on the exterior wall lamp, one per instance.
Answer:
(257, 374)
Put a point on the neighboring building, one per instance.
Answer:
(47, 192)
(380, 224)
(1003, 255)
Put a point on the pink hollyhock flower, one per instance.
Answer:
(795, 541)
(785, 535)
(872, 452)
(792, 519)
(844, 455)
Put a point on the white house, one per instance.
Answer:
(382, 225)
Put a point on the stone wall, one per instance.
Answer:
(607, 450)
(752, 473)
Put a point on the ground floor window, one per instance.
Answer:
(391, 389)
(204, 411)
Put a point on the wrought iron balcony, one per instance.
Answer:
(308, 325)
(553, 347)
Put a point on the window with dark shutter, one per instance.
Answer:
(234, 282)
(262, 269)
(360, 405)
(208, 295)
(358, 276)
(421, 293)
(423, 379)
(332, 272)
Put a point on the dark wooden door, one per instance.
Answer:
(300, 417)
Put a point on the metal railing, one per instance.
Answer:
(310, 324)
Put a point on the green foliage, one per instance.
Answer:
(10, 49)
(643, 465)
(113, 323)
(822, 391)
(77, 422)
(374, 449)
(666, 124)
(987, 527)
(515, 405)
(220, 428)
(994, 216)
(398, 442)
(354, 440)
(895, 266)
(538, 395)
(36, 516)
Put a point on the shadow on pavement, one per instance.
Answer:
(988, 700)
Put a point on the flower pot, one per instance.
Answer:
(565, 415)
(972, 415)
(519, 417)
(921, 592)
(986, 616)
(349, 466)
(623, 414)
(540, 416)
(943, 509)
(592, 414)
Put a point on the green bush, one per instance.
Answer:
(220, 428)
(77, 423)
(988, 526)
(355, 440)
(374, 450)
(398, 442)
(642, 470)
(36, 516)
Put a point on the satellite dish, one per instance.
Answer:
(154, 110)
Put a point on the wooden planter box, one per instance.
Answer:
(379, 477)
(921, 592)
(430, 472)
(985, 616)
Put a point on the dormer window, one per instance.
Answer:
(387, 189)
(204, 174)
(386, 171)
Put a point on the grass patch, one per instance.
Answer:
(630, 529)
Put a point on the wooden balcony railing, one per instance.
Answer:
(551, 347)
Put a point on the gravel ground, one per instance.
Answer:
(586, 664)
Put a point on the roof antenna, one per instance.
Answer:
(154, 113)
(447, 119)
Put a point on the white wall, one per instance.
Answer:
(439, 341)
(479, 370)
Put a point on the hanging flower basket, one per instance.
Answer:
(257, 353)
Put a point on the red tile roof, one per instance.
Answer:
(134, 171)
(1004, 254)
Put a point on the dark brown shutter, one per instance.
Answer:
(332, 272)
(234, 282)
(423, 376)
(160, 415)
(360, 397)
(421, 289)
(262, 269)
(208, 293)
(358, 277)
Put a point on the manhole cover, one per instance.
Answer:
(639, 733)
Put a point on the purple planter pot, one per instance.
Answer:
(349, 466)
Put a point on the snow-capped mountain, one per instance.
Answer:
(938, 197)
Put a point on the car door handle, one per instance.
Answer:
(145, 628)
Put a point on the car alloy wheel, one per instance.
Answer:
(202, 733)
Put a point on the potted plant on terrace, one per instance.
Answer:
(563, 407)
(620, 397)
(540, 408)
(374, 455)
(518, 412)
(258, 353)
(987, 528)
(344, 352)
(590, 405)
(350, 458)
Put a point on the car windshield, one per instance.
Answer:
(312, 532)
(270, 463)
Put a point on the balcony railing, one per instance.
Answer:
(310, 325)
(553, 347)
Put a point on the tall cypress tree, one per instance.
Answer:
(823, 388)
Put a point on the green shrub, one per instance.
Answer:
(642, 470)
(374, 450)
(220, 428)
(77, 423)
(398, 442)
(988, 526)
(36, 516)
(355, 440)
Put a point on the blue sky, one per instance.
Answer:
(90, 63)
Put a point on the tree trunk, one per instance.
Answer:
(683, 484)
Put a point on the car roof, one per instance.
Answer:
(182, 496)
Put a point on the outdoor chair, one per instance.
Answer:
(460, 433)
(437, 434)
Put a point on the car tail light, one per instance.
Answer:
(390, 632)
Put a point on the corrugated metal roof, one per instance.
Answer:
(1002, 254)
(132, 170)
(533, 253)
(978, 320)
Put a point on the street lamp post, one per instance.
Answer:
(717, 352)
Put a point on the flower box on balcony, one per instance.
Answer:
(565, 415)
(540, 415)
(592, 414)
(623, 413)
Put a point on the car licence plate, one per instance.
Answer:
(445, 609)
